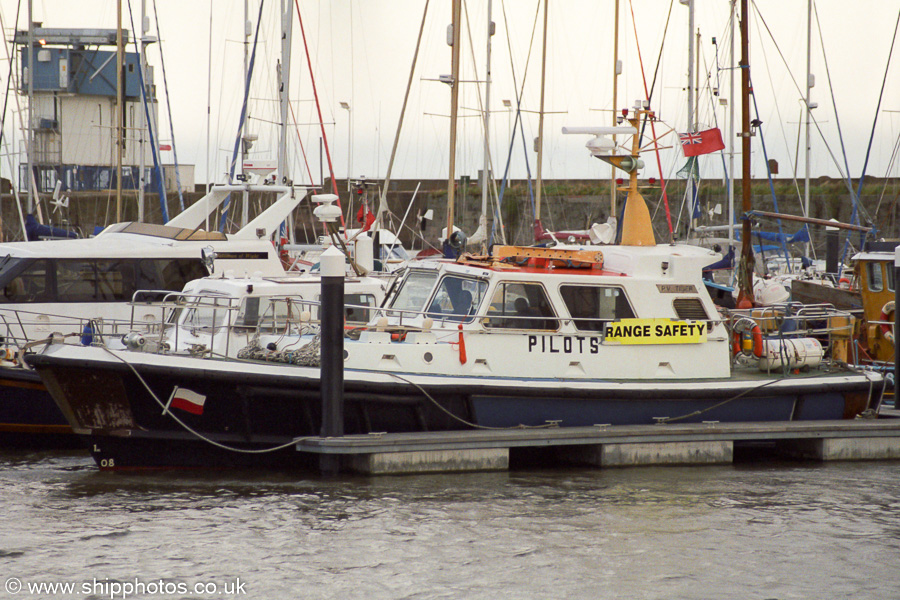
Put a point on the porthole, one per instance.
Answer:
(346, 355)
(427, 357)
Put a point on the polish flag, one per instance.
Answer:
(701, 142)
(187, 400)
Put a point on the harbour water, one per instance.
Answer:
(772, 530)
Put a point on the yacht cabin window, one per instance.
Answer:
(93, 279)
(521, 306)
(591, 306)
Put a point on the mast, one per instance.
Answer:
(142, 56)
(29, 132)
(120, 109)
(637, 227)
(617, 69)
(486, 167)
(454, 109)
(731, 133)
(245, 142)
(809, 85)
(208, 104)
(284, 87)
(689, 188)
(745, 268)
(540, 138)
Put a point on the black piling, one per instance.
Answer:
(332, 332)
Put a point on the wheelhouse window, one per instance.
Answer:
(521, 306)
(874, 278)
(457, 298)
(358, 308)
(591, 306)
(269, 313)
(414, 291)
(206, 311)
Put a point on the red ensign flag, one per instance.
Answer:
(702, 142)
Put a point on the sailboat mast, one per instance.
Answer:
(29, 131)
(120, 109)
(808, 109)
(486, 167)
(454, 110)
(245, 195)
(284, 87)
(615, 102)
(142, 124)
(689, 187)
(540, 138)
(745, 270)
(731, 133)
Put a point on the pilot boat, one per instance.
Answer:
(528, 337)
(561, 336)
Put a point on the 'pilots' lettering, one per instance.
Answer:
(569, 344)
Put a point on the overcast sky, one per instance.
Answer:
(362, 50)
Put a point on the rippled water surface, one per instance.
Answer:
(774, 530)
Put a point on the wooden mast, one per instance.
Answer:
(745, 266)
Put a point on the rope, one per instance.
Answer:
(309, 355)
(460, 419)
(759, 387)
(193, 431)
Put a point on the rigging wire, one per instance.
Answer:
(862, 175)
(834, 159)
(312, 78)
(237, 140)
(162, 63)
(652, 130)
(762, 140)
(520, 91)
(154, 141)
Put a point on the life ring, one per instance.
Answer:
(887, 314)
(756, 334)
(844, 283)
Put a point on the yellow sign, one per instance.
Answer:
(655, 331)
